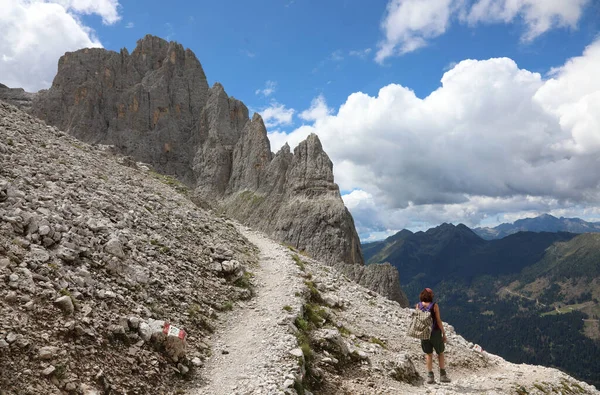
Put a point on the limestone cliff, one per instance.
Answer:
(156, 106)
(17, 97)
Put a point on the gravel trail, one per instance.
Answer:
(251, 346)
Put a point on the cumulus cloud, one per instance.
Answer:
(318, 110)
(34, 34)
(268, 90)
(277, 115)
(493, 138)
(409, 24)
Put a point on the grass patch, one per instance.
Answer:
(315, 315)
(172, 182)
(299, 262)
(314, 294)
(378, 341)
(244, 281)
(344, 331)
(227, 306)
(520, 390)
(301, 324)
(287, 308)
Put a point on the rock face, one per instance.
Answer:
(155, 105)
(149, 103)
(17, 97)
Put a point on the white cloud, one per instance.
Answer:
(539, 16)
(130, 25)
(492, 139)
(268, 90)
(318, 110)
(337, 56)
(409, 24)
(277, 114)
(107, 9)
(34, 34)
(363, 53)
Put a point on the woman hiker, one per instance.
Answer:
(437, 339)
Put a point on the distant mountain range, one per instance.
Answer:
(543, 223)
(456, 252)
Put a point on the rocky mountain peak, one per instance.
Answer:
(155, 105)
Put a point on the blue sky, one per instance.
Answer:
(472, 111)
(299, 44)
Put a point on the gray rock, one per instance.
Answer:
(114, 247)
(17, 97)
(48, 371)
(65, 303)
(12, 337)
(47, 352)
(403, 369)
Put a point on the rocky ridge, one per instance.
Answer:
(156, 106)
(17, 97)
(95, 256)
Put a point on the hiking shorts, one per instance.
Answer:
(435, 342)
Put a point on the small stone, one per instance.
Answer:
(47, 352)
(11, 337)
(48, 371)
(44, 230)
(115, 248)
(288, 383)
(70, 387)
(183, 369)
(297, 352)
(11, 297)
(65, 304)
(196, 362)
(134, 323)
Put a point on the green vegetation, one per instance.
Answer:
(565, 309)
(244, 281)
(172, 182)
(314, 294)
(378, 341)
(227, 306)
(251, 197)
(344, 331)
(299, 262)
(287, 308)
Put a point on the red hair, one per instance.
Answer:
(426, 295)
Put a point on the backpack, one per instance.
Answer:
(421, 323)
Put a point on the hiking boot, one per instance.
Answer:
(430, 378)
(444, 378)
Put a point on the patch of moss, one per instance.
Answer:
(378, 341)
